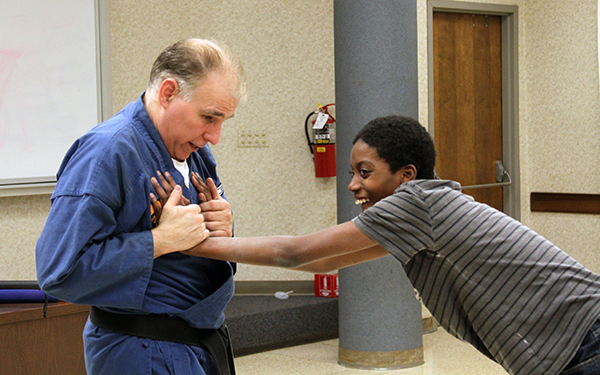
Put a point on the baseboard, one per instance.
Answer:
(264, 288)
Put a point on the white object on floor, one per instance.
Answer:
(283, 295)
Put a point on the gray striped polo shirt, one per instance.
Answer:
(487, 278)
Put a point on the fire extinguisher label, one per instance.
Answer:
(321, 149)
(321, 120)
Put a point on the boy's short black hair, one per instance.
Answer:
(401, 141)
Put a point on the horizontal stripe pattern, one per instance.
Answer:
(488, 279)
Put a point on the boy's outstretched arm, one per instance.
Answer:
(332, 248)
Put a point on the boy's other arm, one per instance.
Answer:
(333, 248)
(341, 261)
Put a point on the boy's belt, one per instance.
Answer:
(162, 327)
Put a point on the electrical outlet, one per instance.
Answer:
(252, 138)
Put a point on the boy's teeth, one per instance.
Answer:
(361, 201)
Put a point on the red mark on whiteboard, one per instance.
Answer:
(8, 63)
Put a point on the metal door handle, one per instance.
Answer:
(502, 178)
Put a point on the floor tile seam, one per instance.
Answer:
(287, 353)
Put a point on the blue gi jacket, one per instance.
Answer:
(96, 247)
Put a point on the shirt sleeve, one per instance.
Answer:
(80, 260)
(96, 247)
(399, 223)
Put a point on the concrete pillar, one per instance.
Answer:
(375, 75)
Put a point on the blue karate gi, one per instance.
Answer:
(97, 249)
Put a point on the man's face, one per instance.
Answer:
(187, 126)
(372, 179)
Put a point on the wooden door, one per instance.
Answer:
(467, 61)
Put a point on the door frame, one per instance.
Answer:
(510, 87)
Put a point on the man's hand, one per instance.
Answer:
(216, 210)
(180, 227)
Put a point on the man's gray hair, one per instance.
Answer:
(190, 61)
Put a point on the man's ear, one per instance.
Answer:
(168, 89)
(409, 173)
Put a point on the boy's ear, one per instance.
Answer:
(409, 173)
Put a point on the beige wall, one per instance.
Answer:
(560, 118)
(287, 50)
(560, 129)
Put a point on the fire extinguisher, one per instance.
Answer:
(322, 145)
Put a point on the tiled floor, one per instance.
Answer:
(444, 355)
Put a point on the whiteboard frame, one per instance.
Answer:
(46, 184)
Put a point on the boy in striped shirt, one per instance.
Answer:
(488, 279)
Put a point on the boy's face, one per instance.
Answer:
(372, 179)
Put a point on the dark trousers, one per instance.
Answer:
(587, 358)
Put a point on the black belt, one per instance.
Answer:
(161, 327)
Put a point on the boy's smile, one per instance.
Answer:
(372, 179)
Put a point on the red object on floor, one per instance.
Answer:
(327, 286)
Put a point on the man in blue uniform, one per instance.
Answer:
(154, 310)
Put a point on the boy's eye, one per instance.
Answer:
(364, 173)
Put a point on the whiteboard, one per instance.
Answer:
(49, 85)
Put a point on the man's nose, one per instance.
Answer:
(213, 134)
